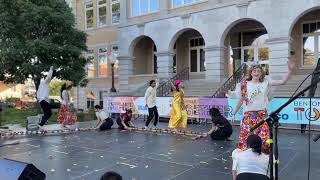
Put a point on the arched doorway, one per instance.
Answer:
(247, 43)
(189, 53)
(145, 59)
(305, 34)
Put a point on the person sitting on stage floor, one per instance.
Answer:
(252, 163)
(103, 121)
(124, 122)
(221, 128)
(110, 175)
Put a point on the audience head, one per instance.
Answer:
(97, 107)
(152, 83)
(255, 143)
(111, 176)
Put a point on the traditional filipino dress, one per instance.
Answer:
(255, 104)
(178, 113)
(66, 116)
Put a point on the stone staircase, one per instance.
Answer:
(203, 88)
(294, 81)
(200, 87)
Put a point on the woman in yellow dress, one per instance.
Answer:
(178, 113)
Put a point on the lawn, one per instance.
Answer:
(19, 116)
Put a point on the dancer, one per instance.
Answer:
(178, 113)
(221, 128)
(253, 96)
(103, 121)
(251, 164)
(150, 100)
(66, 116)
(43, 96)
(124, 122)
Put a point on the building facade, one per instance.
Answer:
(212, 38)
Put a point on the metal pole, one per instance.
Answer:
(78, 98)
(113, 89)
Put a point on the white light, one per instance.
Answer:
(112, 58)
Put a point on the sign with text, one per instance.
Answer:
(298, 112)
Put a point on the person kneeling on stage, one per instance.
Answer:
(252, 163)
(221, 128)
(124, 122)
(103, 121)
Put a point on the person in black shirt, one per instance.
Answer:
(221, 127)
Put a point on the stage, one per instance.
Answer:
(146, 155)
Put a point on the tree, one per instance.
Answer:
(37, 34)
(55, 87)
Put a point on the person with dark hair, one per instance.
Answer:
(66, 116)
(178, 113)
(150, 100)
(124, 122)
(221, 127)
(43, 96)
(110, 175)
(104, 122)
(252, 163)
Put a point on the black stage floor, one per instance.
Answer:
(151, 156)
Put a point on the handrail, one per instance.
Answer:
(231, 82)
(165, 88)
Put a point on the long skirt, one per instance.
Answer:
(178, 117)
(66, 116)
(250, 119)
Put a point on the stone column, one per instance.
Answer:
(123, 11)
(165, 64)
(164, 6)
(214, 59)
(279, 52)
(74, 8)
(125, 70)
(80, 97)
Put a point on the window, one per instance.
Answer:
(103, 62)
(90, 66)
(178, 3)
(197, 55)
(311, 43)
(90, 99)
(114, 49)
(102, 12)
(90, 103)
(155, 62)
(140, 7)
(115, 9)
(248, 47)
(174, 65)
(89, 15)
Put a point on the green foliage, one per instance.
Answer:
(12, 100)
(86, 116)
(37, 34)
(55, 87)
(19, 116)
